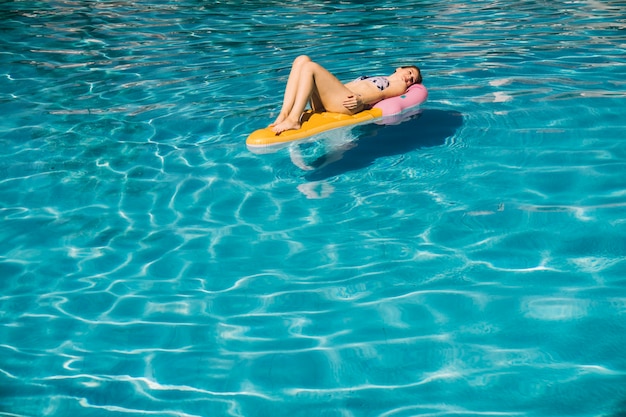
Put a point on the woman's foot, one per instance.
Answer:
(279, 120)
(286, 124)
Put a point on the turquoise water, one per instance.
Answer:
(469, 261)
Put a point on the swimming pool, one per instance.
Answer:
(468, 261)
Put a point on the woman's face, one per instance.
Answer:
(408, 75)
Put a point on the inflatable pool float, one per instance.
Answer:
(316, 123)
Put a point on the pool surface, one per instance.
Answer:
(469, 261)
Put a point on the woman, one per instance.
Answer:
(309, 81)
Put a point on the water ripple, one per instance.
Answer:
(452, 264)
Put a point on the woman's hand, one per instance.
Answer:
(353, 102)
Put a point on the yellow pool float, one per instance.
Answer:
(312, 124)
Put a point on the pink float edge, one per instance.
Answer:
(415, 95)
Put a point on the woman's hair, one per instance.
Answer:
(419, 73)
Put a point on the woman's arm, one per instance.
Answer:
(368, 93)
(394, 90)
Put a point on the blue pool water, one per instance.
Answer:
(469, 261)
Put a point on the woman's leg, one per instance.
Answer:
(316, 102)
(318, 81)
(290, 89)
